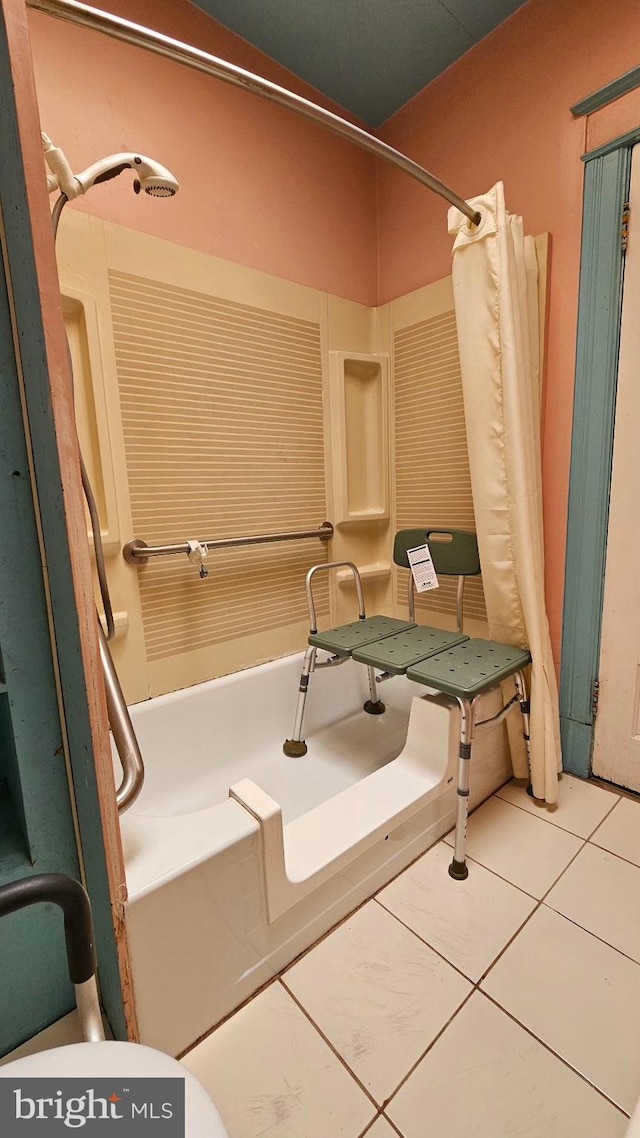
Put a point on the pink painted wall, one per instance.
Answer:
(259, 185)
(264, 188)
(502, 113)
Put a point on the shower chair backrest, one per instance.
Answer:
(454, 553)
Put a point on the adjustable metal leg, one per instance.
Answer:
(296, 747)
(373, 706)
(525, 708)
(458, 868)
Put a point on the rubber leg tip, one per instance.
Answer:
(294, 748)
(458, 870)
(376, 708)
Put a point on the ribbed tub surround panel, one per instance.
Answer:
(223, 425)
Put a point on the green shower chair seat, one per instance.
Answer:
(469, 669)
(344, 640)
(395, 654)
(447, 662)
(454, 553)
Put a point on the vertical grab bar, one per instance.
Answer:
(124, 735)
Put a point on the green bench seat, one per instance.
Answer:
(342, 641)
(466, 670)
(396, 653)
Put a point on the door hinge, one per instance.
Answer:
(624, 231)
(595, 695)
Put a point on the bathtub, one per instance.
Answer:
(239, 858)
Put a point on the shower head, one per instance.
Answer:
(151, 177)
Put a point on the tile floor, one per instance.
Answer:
(506, 1005)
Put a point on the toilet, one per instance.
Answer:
(122, 1060)
(97, 1057)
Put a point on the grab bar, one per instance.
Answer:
(137, 552)
(313, 620)
(124, 735)
(72, 898)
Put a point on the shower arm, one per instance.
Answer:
(199, 60)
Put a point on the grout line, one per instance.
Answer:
(612, 853)
(539, 903)
(556, 1054)
(392, 1124)
(206, 1034)
(622, 791)
(474, 861)
(607, 943)
(426, 943)
(556, 826)
(371, 1125)
(332, 1047)
(428, 1049)
(603, 820)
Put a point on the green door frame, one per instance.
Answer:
(41, 641)
(606, 190)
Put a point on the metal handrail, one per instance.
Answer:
(137, 552)
(313, 620)
(124, 735)
(140, 36)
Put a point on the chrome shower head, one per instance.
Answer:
(151, 177)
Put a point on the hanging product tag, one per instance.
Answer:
(424, 574)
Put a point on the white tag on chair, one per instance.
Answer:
(424, 574)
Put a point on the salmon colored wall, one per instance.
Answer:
(502, 113)
(259, 185)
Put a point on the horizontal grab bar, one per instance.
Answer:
(137, 552)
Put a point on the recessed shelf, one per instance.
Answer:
(360, 421)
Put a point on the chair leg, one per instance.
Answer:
(295, 747)
(458, 868)
(373, 706)
(525, 708)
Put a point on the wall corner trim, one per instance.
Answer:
(606, 187)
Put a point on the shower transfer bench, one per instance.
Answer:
(448, 662)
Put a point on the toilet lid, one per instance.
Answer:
(117, 1060)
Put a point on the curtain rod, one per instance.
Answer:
(139, 36)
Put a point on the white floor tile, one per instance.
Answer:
(620, 832)
(601, 893)
(524, 850)
(379, 995)
(469, 922)
(579, 996)
(381, 1129)
(581, 805)
(270, 1073)
(488, 1078)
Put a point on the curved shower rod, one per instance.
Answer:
(139, 36)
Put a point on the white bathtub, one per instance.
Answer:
(208, 918)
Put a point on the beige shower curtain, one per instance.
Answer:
(495, 291)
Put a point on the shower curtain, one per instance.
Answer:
(495, 293)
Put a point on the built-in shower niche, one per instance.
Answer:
(360, 421)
